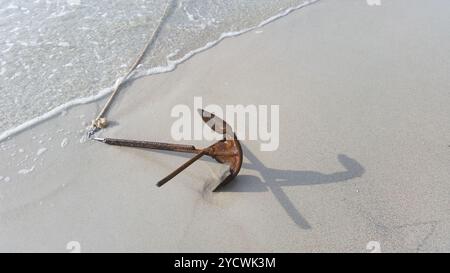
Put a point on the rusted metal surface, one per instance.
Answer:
(226, 151)
(150, 145)
(180, 169)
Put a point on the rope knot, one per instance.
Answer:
(100, 123)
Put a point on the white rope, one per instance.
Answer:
(100, 121)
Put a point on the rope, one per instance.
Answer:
(100, 121)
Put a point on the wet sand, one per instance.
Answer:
(363, 155)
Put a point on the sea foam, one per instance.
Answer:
(79, 69)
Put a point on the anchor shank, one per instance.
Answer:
(150, 145)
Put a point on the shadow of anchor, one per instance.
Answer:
(274, 180)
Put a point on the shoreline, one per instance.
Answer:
(363, 154)
(172, 65)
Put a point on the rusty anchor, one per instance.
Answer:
(226, 151)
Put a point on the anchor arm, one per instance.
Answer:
(180, 169)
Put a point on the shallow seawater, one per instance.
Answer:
(57, 51)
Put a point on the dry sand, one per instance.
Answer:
(364, 146)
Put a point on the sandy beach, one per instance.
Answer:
(363, 156)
